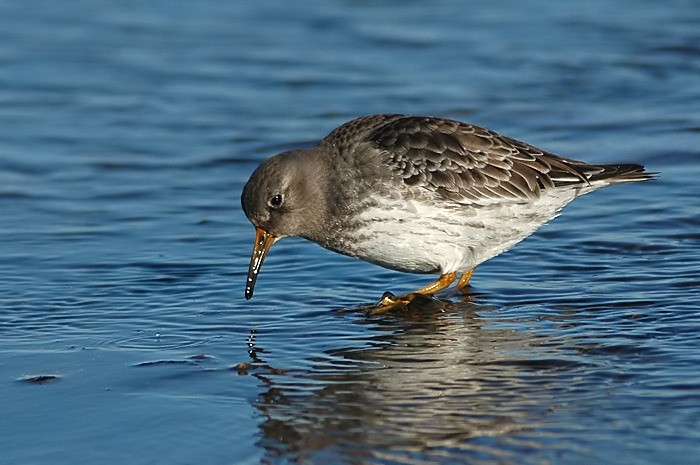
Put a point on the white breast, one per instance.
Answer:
(417, 237)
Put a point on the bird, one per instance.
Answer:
(417, 194)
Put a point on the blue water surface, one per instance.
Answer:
(127, 131)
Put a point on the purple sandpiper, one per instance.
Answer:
(416, 194)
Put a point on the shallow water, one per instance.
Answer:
(127, 132)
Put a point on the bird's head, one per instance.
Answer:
(282, 198)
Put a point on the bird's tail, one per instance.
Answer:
(617, 173)
(566, 171)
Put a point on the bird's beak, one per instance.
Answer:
(263, 242)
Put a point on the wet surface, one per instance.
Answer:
(127, 132)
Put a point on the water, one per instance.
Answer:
(127, 131)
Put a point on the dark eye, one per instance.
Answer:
(275, 201)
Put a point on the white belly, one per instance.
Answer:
(415, 237)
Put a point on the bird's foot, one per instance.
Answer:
(413, 301)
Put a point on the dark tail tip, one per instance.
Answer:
(626, 172)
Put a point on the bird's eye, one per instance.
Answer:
(275, 201)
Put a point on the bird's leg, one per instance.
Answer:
(463, 283)
(442, 282)
(392, 302)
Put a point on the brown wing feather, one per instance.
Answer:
(467, 163)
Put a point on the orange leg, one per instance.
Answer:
(463, 283)
(443, 281)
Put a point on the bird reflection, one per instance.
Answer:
(435, 381)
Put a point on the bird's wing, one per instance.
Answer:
(469, 164)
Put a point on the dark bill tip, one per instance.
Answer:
(263, 242)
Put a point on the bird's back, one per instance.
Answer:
(469, 164)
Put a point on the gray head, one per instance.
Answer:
(282, 198)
